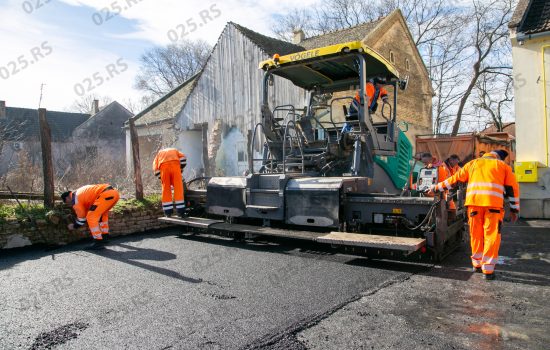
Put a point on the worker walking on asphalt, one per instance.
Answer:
(91, 204)
(168, 166)
(489, 181)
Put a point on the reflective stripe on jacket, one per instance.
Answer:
(489, 181)
(167, 155)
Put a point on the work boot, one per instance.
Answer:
(489, 276)
(96, 245)
(476, 269)
(183, 213)
(106, 238)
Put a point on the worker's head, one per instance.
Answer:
(66, 197)
(426, 158)
(502, 154)
(454, 160)
(378, 82)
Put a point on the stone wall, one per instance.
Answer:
(15, 233)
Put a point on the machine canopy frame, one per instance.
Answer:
(331, 68)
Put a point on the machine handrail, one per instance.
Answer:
(332, 109)
(299, 145)
(254, 144)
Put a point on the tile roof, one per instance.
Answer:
(168, 106)
(22, 124)
(269, 45)
(518, 13)
(537, 19)
(356, 33)
(532, 16)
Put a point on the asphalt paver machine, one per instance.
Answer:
(328, 173)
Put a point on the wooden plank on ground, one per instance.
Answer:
(373, 241)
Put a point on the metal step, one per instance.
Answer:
(191, 221)
(264, 190)
(373, 241)
(262, 207)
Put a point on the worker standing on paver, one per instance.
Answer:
(168, 167)
(489, 181)
(91, 204)
(452, 164)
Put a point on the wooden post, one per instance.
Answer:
(135, 157)
(47, 162)
(205, 159)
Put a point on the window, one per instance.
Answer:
(241, 152)
(407, 64)
(392, 58)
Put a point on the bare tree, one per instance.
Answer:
(494, 97)
(86, 102)
(164, 68)
(489, 34)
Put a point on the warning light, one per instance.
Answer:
(276, 58)
(423, 250)
(397, 211)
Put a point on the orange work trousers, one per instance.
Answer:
(98, 214)
(170, 176)
(485, 225)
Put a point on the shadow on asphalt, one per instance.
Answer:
(133, 254)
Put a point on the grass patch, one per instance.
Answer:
(38, 212)
(149, 202)
(14, 211)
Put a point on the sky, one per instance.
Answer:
(71, 48)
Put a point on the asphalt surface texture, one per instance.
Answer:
(163, 290)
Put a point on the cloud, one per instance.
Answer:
(85, 36)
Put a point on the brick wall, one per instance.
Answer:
(15, 234)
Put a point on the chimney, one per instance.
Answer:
(2, 109)
(299, 36)
(95, 107)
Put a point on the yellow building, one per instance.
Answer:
(530, 35)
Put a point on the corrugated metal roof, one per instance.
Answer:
(22, 124)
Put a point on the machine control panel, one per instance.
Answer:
(426, 178)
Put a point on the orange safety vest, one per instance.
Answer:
(489, 181)
(168, 155)
(84, 197)
(370, 94)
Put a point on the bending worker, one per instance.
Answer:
(489, 181)
(91, 204)
(168, 166)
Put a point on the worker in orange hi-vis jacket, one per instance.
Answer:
(91, 204)
(168, 166)
(452, 167)
(452, 164)
(489, 181)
